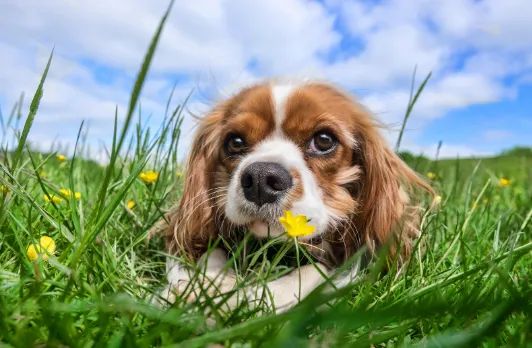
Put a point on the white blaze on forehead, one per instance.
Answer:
(280, 94)
(277, 149)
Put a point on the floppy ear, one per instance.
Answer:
(389, 185)
(191, 224)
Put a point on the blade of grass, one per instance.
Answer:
(410, 108)
(34, 106)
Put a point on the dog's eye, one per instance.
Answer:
(322, 143)
(235, 144)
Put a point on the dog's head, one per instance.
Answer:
(308, 148)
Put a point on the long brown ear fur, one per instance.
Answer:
(191, 225)
(388, 215)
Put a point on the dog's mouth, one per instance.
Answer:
(262, 229)
(264, 222)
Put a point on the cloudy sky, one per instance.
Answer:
(478, 101)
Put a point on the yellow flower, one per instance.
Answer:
(67, 193)
(431, 175)
(61, 158)
(504, 182)
(296, 226)
(438, 198)
(4, 189)
(130, 204)
(52, 198)
(46, 246)
(179, 174)
(149, 176)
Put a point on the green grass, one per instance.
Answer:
(471, 286)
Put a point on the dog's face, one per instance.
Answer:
(287, 147)
(307, 148)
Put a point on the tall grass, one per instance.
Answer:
(471, 286)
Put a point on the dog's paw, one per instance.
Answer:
(164, 298)
(204, 288)
(214, 297)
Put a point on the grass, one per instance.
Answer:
(471, 286)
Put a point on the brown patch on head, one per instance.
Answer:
(251, 116)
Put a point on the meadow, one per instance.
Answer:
(467, 284)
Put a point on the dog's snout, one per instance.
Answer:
(265, 182)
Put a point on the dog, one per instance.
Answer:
(307, 147)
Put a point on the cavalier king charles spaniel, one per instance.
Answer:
(305, 147)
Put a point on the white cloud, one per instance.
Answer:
(447, 151)
(212, 42)
(496, 135)
(283, 35)
(432, 34)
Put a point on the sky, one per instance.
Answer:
(477, 102)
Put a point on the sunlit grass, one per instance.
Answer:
(470, 286)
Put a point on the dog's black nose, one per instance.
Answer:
(265, 182)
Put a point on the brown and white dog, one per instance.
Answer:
(307, 147)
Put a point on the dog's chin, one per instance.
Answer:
(261, 229)
(257, 225)
(264, 224)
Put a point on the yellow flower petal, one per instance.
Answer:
(52, 198)
(431, 175)
(32, 253)
(308, 229)
(4, 189)
(48, 243)
(504, 182)
(149, 176)
(46, 246)
(287, 220)
(300, 220)
(67, 193)
(61, 158)
(296, 226)
(130, 204)
(285, 223)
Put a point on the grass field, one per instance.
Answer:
(470, 288)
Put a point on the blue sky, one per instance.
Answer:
(493, 126)
(477, 102)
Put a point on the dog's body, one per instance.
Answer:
(302, 147)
